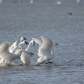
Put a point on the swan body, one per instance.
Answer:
(16, 43)
(26, 55)
(5, 55)
(45, 51)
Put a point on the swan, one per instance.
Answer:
(45, 51)
(26, 55)
(19, 48)
(16, 43)
(5, 55)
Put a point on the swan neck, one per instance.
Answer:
(27, 49)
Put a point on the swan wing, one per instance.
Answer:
(46, 41)
(4, 47)
(14, 45)
(46, 47)
(17, 50)
(37, 41)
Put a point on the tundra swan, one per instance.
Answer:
(45, 51)
(5, 55)
(26, 55)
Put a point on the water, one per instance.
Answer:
(53, 21)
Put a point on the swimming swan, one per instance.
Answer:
(26, 55)
(16, 43)
(45, 51)
(5, 55)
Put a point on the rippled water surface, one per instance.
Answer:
(53, 21)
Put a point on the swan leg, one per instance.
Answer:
(50, 62)
(46, 62)
(20, 64)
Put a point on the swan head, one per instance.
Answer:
(33, 42)
(23, 38)
(55, 44)
(24, 42)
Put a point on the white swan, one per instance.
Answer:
(19, 48)
(5, 55)
(45, 51)
(26, 55)
(16, 43)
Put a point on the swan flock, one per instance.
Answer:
(9, 53)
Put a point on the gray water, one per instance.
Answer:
(53, 21)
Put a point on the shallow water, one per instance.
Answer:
(53, 21)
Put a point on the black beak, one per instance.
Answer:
(32, 54)
(56, 44)
(24, 38)
(26, 42)
(33, 43)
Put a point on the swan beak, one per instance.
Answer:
(32, 53)
(56, 44)
(24, 38)
(33, 43)
(27, 43)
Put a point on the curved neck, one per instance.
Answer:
(27, 49)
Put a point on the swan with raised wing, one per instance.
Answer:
(45, 51)
(5, 55)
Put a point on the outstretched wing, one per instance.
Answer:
(47, 43)
(46, 46)
(37, 41)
